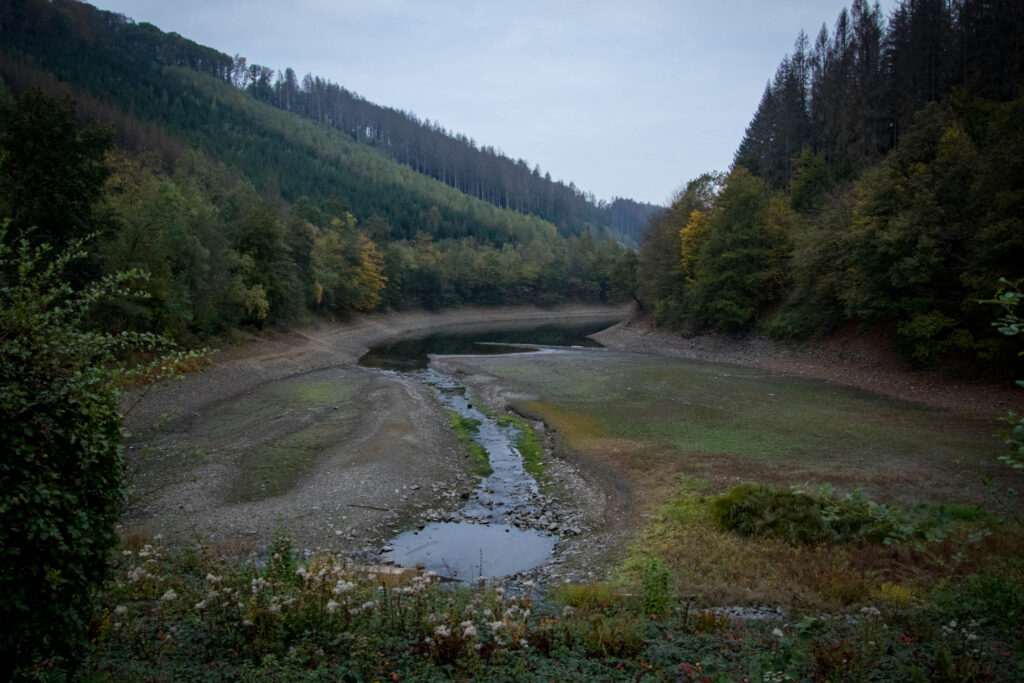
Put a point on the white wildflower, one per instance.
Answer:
(169, 596)
(567, 611)
(496, 625)
(442, 631)
(201, 605)
(213, 579)
(120, 610)
(777, 632)
(332, 606)
(470, 630)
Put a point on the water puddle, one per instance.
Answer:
(501, 530)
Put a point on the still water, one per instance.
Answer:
(412, 354)
(493, 535)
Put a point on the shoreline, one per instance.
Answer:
(239, 368)
(849, 360)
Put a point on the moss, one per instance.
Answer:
(272, 469)
(530, 447)
(465, 428)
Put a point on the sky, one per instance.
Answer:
(630, 98)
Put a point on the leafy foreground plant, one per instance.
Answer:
(62, 484)
(1009, 298)
(177, 615)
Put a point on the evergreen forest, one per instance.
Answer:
(879, 184)
(248, 202)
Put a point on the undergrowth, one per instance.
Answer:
(178, 614)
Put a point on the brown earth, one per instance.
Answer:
(347, 467)
(285, 431)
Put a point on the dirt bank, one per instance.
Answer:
(848, 359)
(286, 431)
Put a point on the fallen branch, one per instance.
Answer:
(368, 507)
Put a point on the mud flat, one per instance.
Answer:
(287, 433)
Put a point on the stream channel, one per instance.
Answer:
(495, 533)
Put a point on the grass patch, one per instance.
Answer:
(530, 447)
(717, 566)
(272, 469)
(465, 428)
(590, 596)
(896, 450)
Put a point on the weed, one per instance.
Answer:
(584, 595)
(655, 598)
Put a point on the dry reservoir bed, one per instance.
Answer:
(299, 438)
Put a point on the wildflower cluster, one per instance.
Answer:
(182, 617)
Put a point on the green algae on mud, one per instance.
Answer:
(531, 449)
(464, 428)
(805, 429)
(273, 467)
(274, 433)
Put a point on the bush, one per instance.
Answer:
(800, 518)
(61, 478)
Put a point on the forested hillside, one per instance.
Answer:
(115, 47)
(880, 182)
(238, 210)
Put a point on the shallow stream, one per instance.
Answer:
(500, 530)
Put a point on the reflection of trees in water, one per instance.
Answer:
(412, 353)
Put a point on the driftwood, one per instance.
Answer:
(368, 507)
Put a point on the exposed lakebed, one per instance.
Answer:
(503, 527)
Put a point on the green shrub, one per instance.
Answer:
(61, 476)
(802, 518)
(987, 598)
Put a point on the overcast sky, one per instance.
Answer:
(629, 98)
